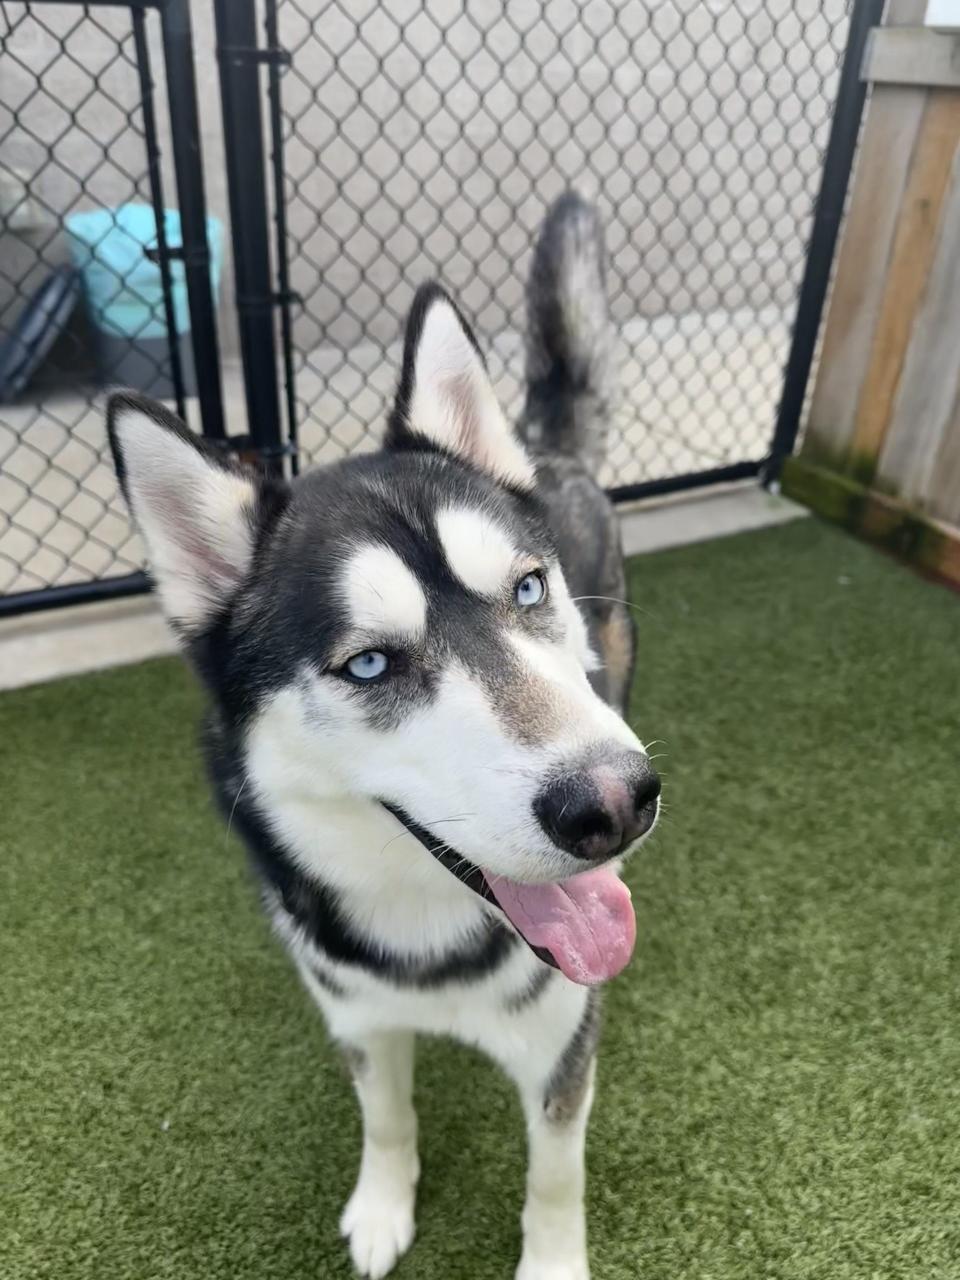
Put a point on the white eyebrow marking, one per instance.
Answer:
(477, 548)
(381, 593)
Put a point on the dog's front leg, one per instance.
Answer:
(557, 1108)
(378, 1219)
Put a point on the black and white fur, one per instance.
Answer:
(368, 807)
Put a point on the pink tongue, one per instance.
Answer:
(586, 922)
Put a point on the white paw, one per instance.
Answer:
(378, 1219)
(540, 1268)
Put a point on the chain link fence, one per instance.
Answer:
(71, 138)
(424, 138)
(428, 138)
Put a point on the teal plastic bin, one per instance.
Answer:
(123, 289)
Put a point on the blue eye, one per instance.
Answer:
(531, 590)
(369, 665)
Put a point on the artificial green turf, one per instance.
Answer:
(780, 1080)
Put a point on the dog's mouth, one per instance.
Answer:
(584, 926)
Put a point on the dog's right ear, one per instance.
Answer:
(198, 513)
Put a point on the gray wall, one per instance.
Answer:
(428, 141)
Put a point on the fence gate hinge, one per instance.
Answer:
(251, 53)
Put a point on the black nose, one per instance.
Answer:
(596, 811)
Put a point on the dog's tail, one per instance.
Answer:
(569, 334)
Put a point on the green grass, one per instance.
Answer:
(780, 1078)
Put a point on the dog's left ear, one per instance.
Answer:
(199, 514)
(446, 399)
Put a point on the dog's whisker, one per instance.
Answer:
(513, 772)
(459, 817)
(616, 600)
(233, 810)
(394, 839)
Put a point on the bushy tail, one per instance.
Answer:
(569, 333)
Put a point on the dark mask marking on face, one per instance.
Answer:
(529, 707)
(290, 614)
(473, 632)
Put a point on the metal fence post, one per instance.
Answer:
(239, 57)
(828, 211)
(278, 59)
(155, 175)
(185, 134)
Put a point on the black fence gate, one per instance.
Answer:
(79, 150)
(367, 147)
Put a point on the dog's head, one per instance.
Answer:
(395, 630)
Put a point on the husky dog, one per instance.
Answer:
(417, 661)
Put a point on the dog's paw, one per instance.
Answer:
(380, 1229)
(378, 1220)
(541, 1268)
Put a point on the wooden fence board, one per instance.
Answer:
(924, 404)
(889, 138)
(910, 263)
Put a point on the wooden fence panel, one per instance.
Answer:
(881, 453)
